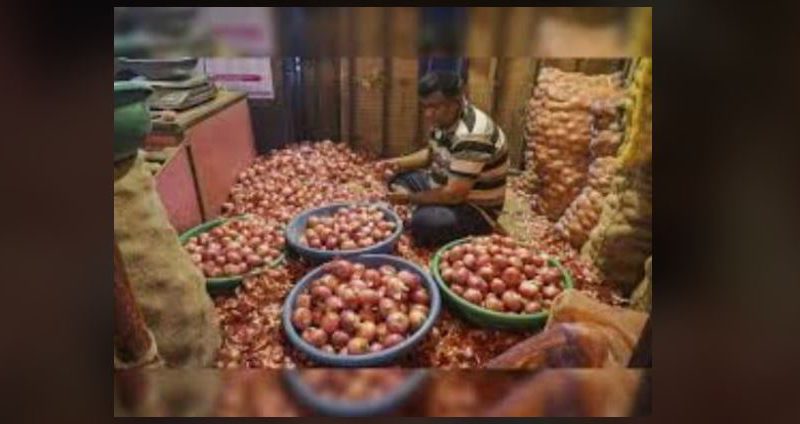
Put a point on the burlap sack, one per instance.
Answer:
(581, 333)
(168, 288)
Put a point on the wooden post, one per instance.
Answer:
(402, 102)
(369, 75)
(513, 93)
(131, 338)
(345, 99)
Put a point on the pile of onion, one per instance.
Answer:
(349, 228)
(301, 176)
(354, 310)
(495, 273)
(236, 247)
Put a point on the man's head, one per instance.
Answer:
(441, 94)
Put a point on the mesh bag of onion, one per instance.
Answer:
(168, 288)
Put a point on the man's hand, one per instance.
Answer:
(387, 168)
(397, 197)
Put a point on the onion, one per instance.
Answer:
(358, 285)
(456, 253)
(330, 322)
(367, 330)
(349, 297)
(411, 280)
(486, 272)
(500, 262)
(372, 275)
(254, 260)
(462, 275)
(470, 261)
(392, 340)
(483, 260)
(315, 336)
(512, 301)
(550, 291)
(230, 269)
(493, 303)
(529, 271)
(497, 286)
(473, 295)
(532, 307)
(512, 276)
(387, 270)
(458, 289)
(449, 275)
(357, 346)
(301, 318)
(368, 296)
(420, 296)
(416, 318)
(397, 322)
(386, 306)
(303, 301)
(375, 347)
(528, 289)
(349, 321)
(321, 292)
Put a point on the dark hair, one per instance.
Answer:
(448, 82)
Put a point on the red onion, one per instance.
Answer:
(497, 286)
(473, 296)
(397, 322)
(301, 318)
(330, 322)
(493, 303)
(392, 340)
(357, 346)
(528, 289)
(512, 301)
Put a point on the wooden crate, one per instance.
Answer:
(176, 187)
(221, 146)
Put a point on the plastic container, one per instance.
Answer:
(386, 404)
(484, 317)
(230, 282)
(298, 225)
(131, 118)
(370, 359)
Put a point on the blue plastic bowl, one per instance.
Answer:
(331, 407)
(297, 227)
(370, 359)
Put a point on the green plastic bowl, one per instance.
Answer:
(233, 281)
(485, 317)
(131, 117)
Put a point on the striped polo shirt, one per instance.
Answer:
(474, 148)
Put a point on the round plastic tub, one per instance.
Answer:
(230, 282)
(298, 225)
(370, 359)
(327, 406)
(484, 317)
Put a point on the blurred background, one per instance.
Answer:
(384, 392)
(350, 74)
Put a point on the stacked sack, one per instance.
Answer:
(622, 239)
(583, 213)
(560, 130)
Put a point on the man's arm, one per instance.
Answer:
(416, 160)
(454, 193)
